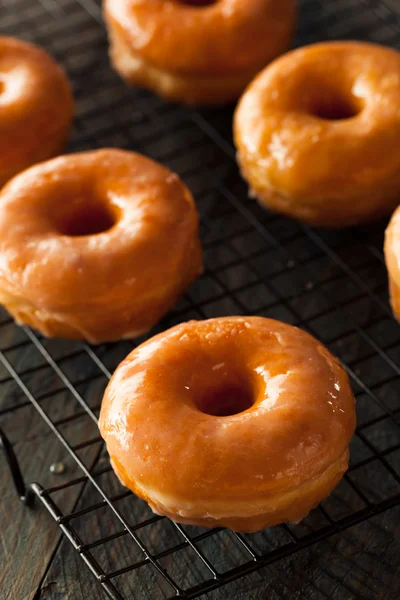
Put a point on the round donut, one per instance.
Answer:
(196, 51)
(240, 422)
(317, 133)
(392, 258)
(36, 107)
(97, 245)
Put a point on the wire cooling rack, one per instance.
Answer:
(331, 284)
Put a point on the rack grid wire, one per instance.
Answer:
(332, 284)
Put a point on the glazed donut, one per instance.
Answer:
(392, 258)
(36, 107)
(241, 422)
(97, 245)
(196, 51)
(317, 133)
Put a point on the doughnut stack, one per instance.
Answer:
(196, 51)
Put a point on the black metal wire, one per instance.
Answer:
(25, 494)
(255, 263)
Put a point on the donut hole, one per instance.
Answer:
(336, 109)
(88, 219)
(226, 400)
